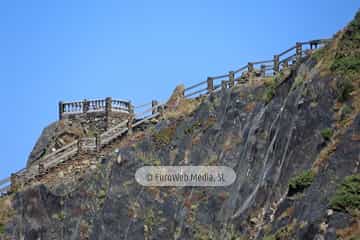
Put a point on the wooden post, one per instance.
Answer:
(231, 79)
(61, 109)
(13, 183)
(41, 169)
(276, 63)
(98, 142)
(250, 67)
(223, 84)
(285, 64)
(130, 118)
(79, 145)
(108, 104)
(85, 106)
(108, 109)
(161, 111)
(154, 103)
(262, 70)
(314, 44)
(250, 70)
(210, 84)
(298, 52)
(130, 108)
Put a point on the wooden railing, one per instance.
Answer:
(137, 115)
(97, 105)
(252, 70)
(5, 185)
(87, 145)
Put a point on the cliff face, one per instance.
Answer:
(293, 141)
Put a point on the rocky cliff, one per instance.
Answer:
(292, 139)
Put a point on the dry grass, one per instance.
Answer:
(184, 108)
(250, 107)
(6, 212)
(328, 57)
(350, 233)
(289, 212)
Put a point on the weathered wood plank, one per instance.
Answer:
(60, 159)
(195, 85)
(145, 119)
(4, 189)
(196, 92)
(60, 150)
(219, 77)
(262, 62)
(4, 181)
(286, 51)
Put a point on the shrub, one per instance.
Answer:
(327, 133)
(2, 228)
(345, 111)
(347, 195)
(269, 92)
(344, 89)
(298, 81)
(347, 66)
(102, 194)
(283, 233)
(318, 54)
(164, 136)
(191, 129)
(149, 220)
(301, 182)
(268, 95)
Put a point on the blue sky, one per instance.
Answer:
(138, 50)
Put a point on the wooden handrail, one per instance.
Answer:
(4, 190)
(125, 105)
(219, 77)
(143, 105)
(4, 181)
(241, 69)
(194, 93)
(60, 150)
(286, 51)
(262, 62)
(195, 85)
(149, 109)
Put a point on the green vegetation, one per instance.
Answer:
(344, 88)
(232, 234)
(101, 194)
(2, 229)
(149, 220)
(270, 87)
(6, 213)
(347, 195)
(346, 62)
(298, 82)
(301, 182)
(345, 111)
(348, 66)
(164, 136)
(200, 125)
(59, 216)
(283, 233)
(148, 158)
(327, 133)
(319, 54)
(191, 129)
